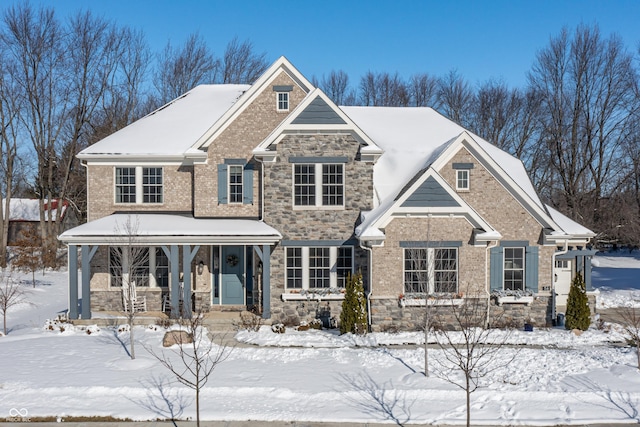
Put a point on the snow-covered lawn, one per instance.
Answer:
(556, 378)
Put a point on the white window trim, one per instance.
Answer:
(333, 266)
(229, 168)
(153, 283)
(459, 179)
(431, 269)
(318, 188)
(278, 101)
(139, 186)
(524, 269)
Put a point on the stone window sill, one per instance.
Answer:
(311, 296)
(420, 302)
(515, 300)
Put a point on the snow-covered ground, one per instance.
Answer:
(556, 377)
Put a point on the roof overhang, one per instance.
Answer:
(141, 229)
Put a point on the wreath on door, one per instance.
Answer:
(232, 260)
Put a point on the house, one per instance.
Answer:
(24, 214)
(267, 196)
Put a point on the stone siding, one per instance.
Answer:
(237, 141)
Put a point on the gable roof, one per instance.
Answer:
(263, 82)
(171, 130)
(317, 113)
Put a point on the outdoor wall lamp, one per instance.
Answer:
(200, 268)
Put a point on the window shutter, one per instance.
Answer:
(247, 184)
(222, 184)
(496, 269)
(531, 268)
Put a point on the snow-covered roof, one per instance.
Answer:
(167, 228)
(29, 209)
(172, 129)
(568, 225)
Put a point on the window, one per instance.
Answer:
(318, 267)
(283, 101)
(152, 185)
(462, 179)
(514, 269)
(135, 259)
(562, 263)
(235, 183)
(306, 185)
(138, 185)
(162, 268)
(432, 270)
(125, 185)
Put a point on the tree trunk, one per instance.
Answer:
(468, 390)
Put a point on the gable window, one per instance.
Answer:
(138, 185)
(318, 184)
(318, 267)
(514, 269)
(283, 101)
(235, 184)
(462, 180)
(431, 270)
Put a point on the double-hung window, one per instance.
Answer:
(318, 267)
(146, 266)
(139, 185)
(514, 262)
(235, 183)
(283, 101)
(462, 180)
(318, 184)
(431, 270)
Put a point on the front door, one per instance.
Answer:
(563, 273)
(232, 261)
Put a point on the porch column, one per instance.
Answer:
(266, 281)
(187, 257)
(174, 265)
(87, 253)
(72, 267)
(587, 273)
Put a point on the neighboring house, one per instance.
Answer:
(24, 214)
(266, 197)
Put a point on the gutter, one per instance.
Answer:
(486, 276)
(370, 293)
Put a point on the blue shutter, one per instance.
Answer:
(531, 268)
(222, 184)
(247, 184)
(496, 269)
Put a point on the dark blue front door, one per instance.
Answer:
(232, 275)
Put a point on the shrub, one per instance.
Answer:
(578, 315)
(354, 307)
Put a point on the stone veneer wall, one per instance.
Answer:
(314, 223)
(388, 316)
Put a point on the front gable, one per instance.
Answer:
(430, 194)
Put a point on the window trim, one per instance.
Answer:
(523, 269)
(319, 186)
(139, 186)
(430, 271)
(463, 179)
(334, 278)
(231, 184)
(152, 266)
(282, 102)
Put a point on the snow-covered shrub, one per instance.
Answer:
(123, 328)
(354, 307)
(304, 326)
(57, 325)
(278, 328)
(315, 324)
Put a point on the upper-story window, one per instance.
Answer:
(138, 184)
(462, 179)
(283, 101)
(318, 184)
(235, 183)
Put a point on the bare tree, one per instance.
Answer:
(471, 348)
(129, 262)
(197, 356)
(28, 253)
(586, 85)
(423, 90)
(336, 86)
(630, 320)
(455, 98)
(180, 69)
(384, 90)
(241, 64)
(11, 295)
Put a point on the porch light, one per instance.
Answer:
(200, 268)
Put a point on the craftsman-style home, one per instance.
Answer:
(265, 197)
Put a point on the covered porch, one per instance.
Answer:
(190, 264)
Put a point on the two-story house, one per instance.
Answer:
(267, 196)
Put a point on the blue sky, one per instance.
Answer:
(479, 39)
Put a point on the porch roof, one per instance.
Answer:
(170, 229)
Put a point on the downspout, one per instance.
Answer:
(368, 249)
(487, 287)
(553, 278)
